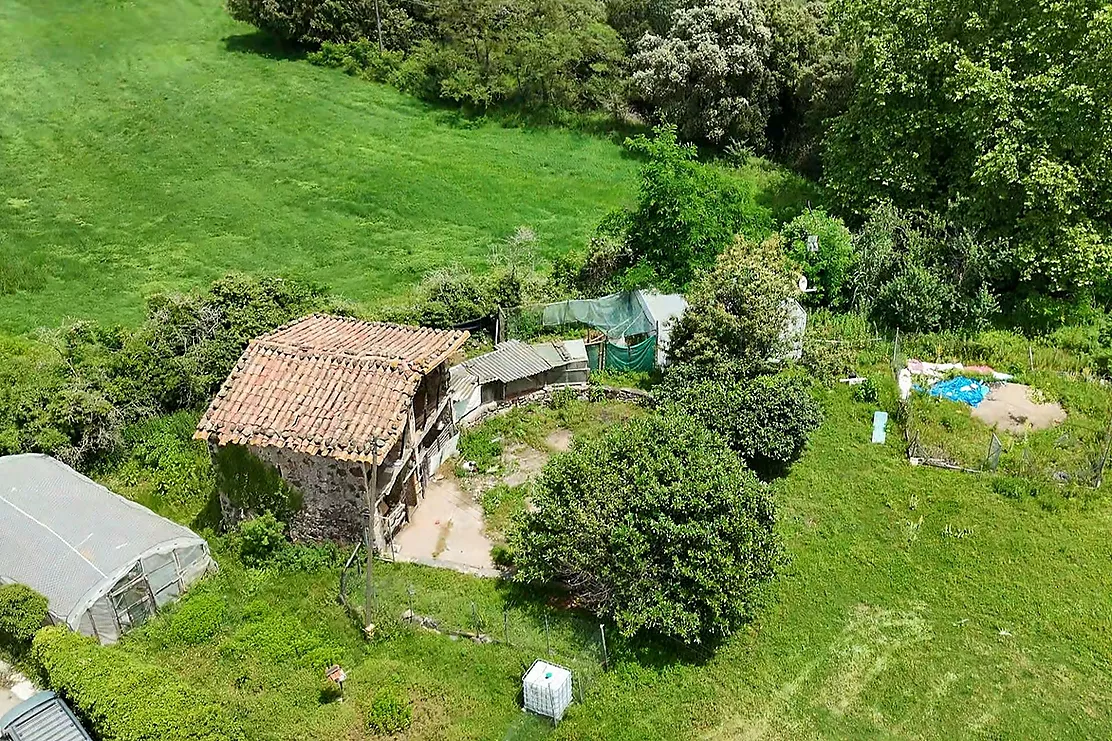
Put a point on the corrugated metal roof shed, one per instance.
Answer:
(43, 717)
(509, 361)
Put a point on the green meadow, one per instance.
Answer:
(149, 146)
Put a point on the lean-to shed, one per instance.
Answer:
(105, 563)
(513, 369)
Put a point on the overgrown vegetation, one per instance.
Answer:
(76, 404)
(737, 312)
(22, 612)
(124, 698)
(656, 525)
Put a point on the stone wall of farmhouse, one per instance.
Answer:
(331, 506)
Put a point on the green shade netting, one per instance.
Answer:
(618, 315)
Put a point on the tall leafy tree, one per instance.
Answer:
(737, 311)
(686, 212)
(993, 113)
(710, 74)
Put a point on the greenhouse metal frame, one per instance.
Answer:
(106, 564)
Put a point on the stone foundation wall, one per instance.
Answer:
(332, 495)
(333, 491)
(583, 392)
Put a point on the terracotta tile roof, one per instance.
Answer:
(326, 385)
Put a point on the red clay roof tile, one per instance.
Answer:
(326, 385)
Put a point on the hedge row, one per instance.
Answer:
(125, 699)
(22, 612)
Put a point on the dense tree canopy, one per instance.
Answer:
(737, 310)
(996, 115)
(657, 525)
(766, 419)
(686, 213)
(711, 75)
(823, 247)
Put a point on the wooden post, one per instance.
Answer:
(605, 658)
(895, 350)
(370, 487)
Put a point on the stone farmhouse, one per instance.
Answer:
(353, 415)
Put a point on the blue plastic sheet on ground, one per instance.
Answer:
(961, 389)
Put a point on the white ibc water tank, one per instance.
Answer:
(547, 689)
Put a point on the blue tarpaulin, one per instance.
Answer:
(961, 389)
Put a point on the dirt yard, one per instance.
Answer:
(447, 528)
(1009, 407)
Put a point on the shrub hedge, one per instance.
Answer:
(125, 699)
(22, 612)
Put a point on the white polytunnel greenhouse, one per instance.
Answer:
(106, 564)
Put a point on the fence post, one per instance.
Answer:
(895, 349)
(605, 657)
(547, 639)
(506, 626)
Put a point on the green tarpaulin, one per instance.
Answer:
(639, 357)
(618, 315)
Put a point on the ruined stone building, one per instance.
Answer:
(328, 418)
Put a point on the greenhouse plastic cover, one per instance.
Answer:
(68, 537)
(617, 315)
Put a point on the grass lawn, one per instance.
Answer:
(150, 145)
(918, 604)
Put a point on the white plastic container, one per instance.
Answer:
(547, 689)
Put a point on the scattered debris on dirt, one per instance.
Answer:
(1009, 407)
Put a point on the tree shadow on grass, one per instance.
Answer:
(655, 652)
(461, 116)
(790, 195)
(263, 45)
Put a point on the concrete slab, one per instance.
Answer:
(8, 700)
(446, 530)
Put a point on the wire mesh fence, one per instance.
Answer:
(493, 612)
(1073, 451)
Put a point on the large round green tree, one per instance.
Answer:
(657, 525)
